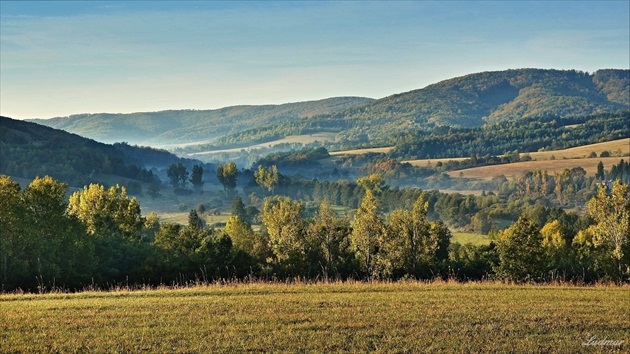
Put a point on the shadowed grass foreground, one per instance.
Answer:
(397, 317)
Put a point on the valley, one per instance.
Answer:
(314, 176)
(330, 194)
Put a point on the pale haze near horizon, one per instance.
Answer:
(64, 58)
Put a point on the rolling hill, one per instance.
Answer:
(180, 127)
(468, 101)
(29, 149)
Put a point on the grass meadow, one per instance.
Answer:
(472, 238)
(440, 317)
(619, 147)
(517, 169)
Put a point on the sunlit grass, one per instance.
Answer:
(517, 169)
(472, 238)
(356, 317)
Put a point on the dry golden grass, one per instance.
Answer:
(617, 147)
(182, 218)
(517, 169)
(324, 318)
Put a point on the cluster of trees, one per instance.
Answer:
(47, 240)
(227, 175)
(99, 237)
(178, 175)
(482, 213)
(299, 158)
(595, 247)
(620, 171)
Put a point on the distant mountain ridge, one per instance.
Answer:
(468, 101)
(472, 100)
(190, 126)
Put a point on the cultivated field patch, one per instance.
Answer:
(517, 169)
(619, 147)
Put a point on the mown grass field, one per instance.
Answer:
(291, 139)
(616, 147)
(517, 169)
(467, 237)
(322, 318)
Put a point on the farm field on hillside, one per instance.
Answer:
(622, 145)
(356, 317)
(517, 169)
(472, 238)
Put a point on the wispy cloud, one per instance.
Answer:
(119, 56)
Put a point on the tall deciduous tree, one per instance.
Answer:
(414, 245)
(612, 232)
(45, 199)
(373, 183)
(521, 254)
(283, 220)
(104, 211)
(367, 231)
(555, 245)
(227, 175)
(328, 235)
(196, 179)
(12, 231)
(267, 178)
(178, 174)
(40, 245)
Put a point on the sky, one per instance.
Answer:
(64, 58)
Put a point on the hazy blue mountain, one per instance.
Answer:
(468, 101)
(191, 126)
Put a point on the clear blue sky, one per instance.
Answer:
(62, 58)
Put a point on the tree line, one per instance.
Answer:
(527, 134)
(97, 238)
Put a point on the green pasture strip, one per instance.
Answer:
(475, 239)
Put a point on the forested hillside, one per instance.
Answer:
(471, 100)
(28, 150)
(525, 135)
(464, 102)
(186, 126)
